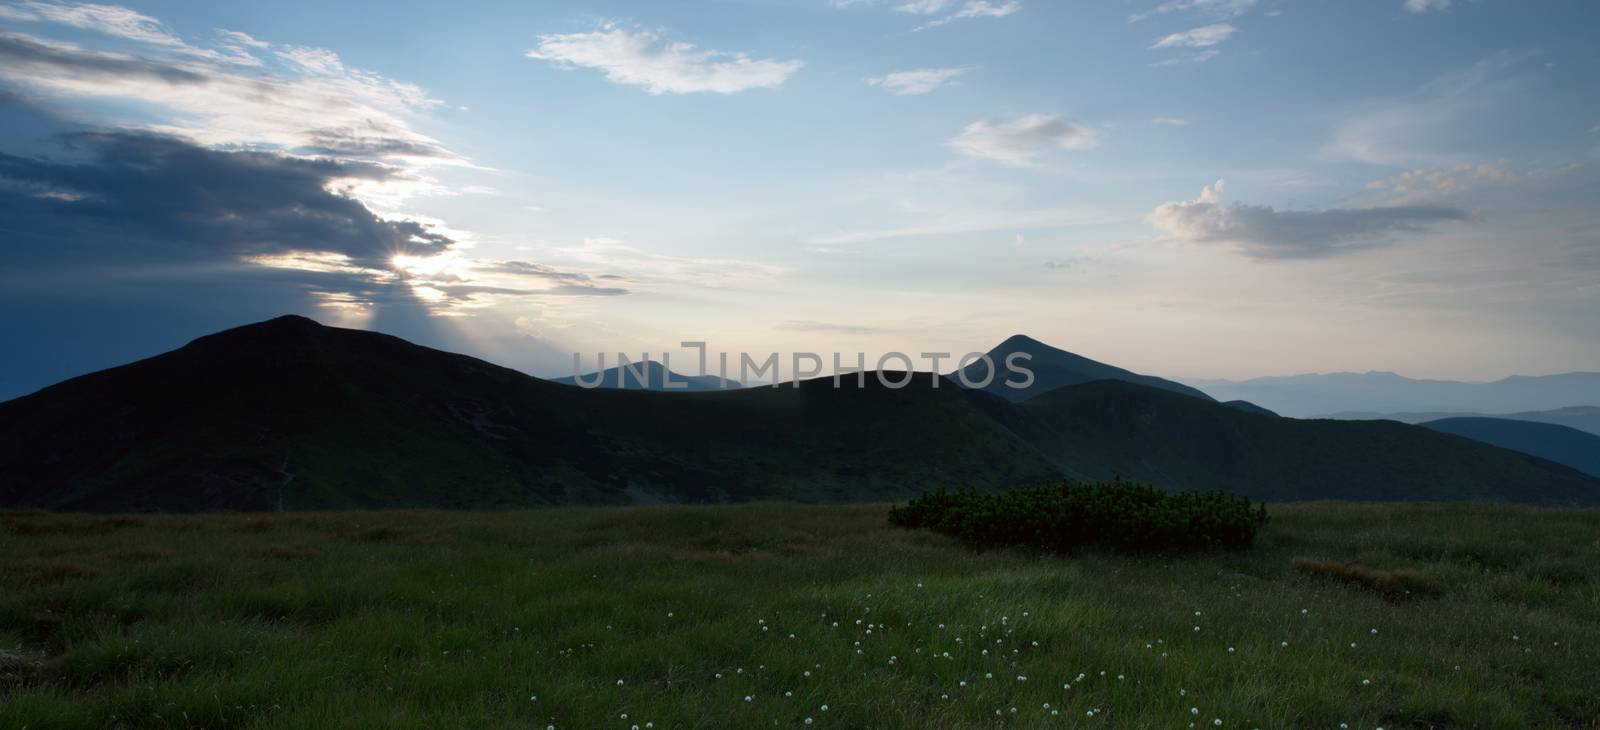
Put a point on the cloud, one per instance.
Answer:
(120, 22)
(308, 99)
(1170, 121)
(557, 281)
(1423, 6)
(1428, 182)
(1441, 123)
(650, 268)
(230, 203)
(806, 325)
(917, 81)
(1263, 232)
(1021, 142)
(1205, 36)
(974, 9)
(1225, 8)
(142, 213)
(922, 7)
(644, 58)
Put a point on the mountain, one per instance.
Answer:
(294, 415)
(1559, 444)
(1249, 407)
(649, 375)
(1053, 368)
(1302, 396)
(1583, 418)
(1106, 428)
(289, 414)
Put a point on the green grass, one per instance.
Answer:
(575, 617)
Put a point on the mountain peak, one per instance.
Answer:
(1019, 340)
(1054, 367)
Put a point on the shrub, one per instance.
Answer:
(1118, 515)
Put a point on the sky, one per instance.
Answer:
(1191, 188)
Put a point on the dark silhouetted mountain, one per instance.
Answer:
(1107, 428)
(294, 414)
(289, 414)
(1249, 407)
(1053, 368)
(1303, 396)
(1559, 444)
(649, 375)
(1583, 418)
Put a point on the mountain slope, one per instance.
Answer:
(1583, 418)
(1302, 396)
(1108, 428)
(1053, 368)
(288, 414)
(291, 414)
(1559, 444)
(649, 375)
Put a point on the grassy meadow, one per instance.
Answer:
(1358, 616)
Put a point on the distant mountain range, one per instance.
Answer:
(289, 414)
(649, 375)
(1560, 444)
(1303, 396)
(1583, 418)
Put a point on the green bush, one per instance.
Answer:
(1116, 515)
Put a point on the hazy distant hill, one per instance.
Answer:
(1559, 444)
(1053, 368)
(288, 414)
(1303, 396)
(1583, 418)
(650, 375)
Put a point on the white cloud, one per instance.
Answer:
(922, 7)
(644, 58)
(1170, 121)
(1205, 36)
(1215, 7)
(1022, 141)
(1263, 232)
(976, 9)
(916, 81)
(1427, 182)
(1423, 6)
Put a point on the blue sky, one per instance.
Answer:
(1203, 188)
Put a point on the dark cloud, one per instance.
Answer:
(182, 196)
(23, 53)
(1266, 232)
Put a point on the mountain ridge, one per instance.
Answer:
(292, 415)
